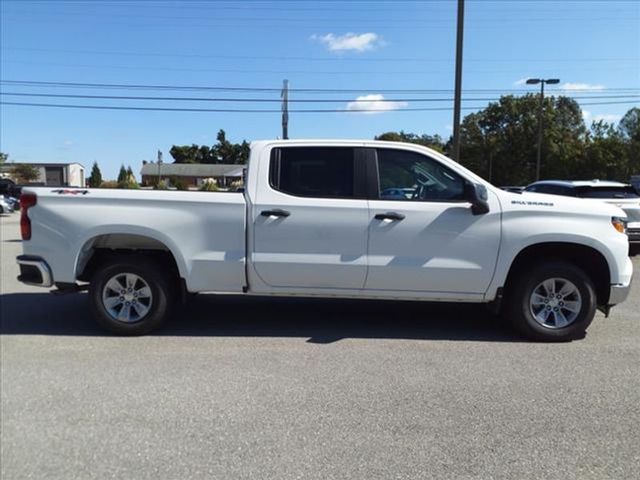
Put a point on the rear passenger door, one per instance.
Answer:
(310, 221)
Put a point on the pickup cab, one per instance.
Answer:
(313, 221)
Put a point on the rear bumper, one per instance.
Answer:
(34, 271)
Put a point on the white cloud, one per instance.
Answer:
(374, 103)
(581, 86)
(349, 41)
(68, 143)
(607, 117)
(449, 127)
(520, 82)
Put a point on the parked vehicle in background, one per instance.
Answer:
(635, 181)
(5, 186)
(9, 188)
(313, 221)
(619, 194)
(5, 205)
(13, 202)
(512, 189)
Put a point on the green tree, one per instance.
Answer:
(503, 137)
(606, 153)
(3, 157)
(122, 174)
(25, 172)
(223, 151)
(95, 179)
(629, 125)
(432, 141)
(126, 178)
(629, 129)
(192, 154)
(230, 153)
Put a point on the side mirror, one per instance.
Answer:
(478, 196)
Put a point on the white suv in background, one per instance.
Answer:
(619, 194)
(5, 205)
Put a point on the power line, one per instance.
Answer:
(251, 6)
(349, 59)
(224, 110)
(231, 110)
(399, 21)
(504, 24)
(134, 86)
(273, 100)
(281, 70)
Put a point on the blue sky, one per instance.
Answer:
(365, 47)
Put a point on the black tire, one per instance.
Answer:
(161, 297)
(520, 312)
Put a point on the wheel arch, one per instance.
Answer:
(103, 247)
(587, 258)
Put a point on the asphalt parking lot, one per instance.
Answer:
(257, 388)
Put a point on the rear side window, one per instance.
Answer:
(321, 172)
(608, 192)
(552, 190)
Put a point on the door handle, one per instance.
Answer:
(389, 216)
(277, 212)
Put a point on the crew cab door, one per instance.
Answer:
(430, 240)
(310, 219)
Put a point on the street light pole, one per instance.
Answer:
(541, 81)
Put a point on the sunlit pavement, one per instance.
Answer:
(240, 388)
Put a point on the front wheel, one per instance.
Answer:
(555, 301)
(131, 296)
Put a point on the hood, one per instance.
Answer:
(557, 203)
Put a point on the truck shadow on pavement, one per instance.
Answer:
(321, 321)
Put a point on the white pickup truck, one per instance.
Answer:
(348, 219)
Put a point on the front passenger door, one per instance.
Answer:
(429, 241)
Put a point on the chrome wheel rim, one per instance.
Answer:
(555, 303)
(127, 297)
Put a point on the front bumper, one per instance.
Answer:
(634, 235)
(618, 294)
(34, 271)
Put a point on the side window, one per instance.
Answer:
(322, 172)
(405, 175)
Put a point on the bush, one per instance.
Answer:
(109, 184)
(128, 184)
(237, 184)
(161, 185)
(209, 185)
(179, 183)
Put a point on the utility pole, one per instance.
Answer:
(159, 164)
(458, 86)
(541, 81)
(285, 109)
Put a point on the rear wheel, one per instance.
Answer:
(132, 296)
(555, 301)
